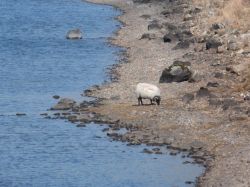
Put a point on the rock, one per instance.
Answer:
(56, 96)
(147, 151)
(148, 36)
(174, 152)
(181, 63)
(198, 47)
(221, 49)
(218, 75)
(197, 145)
(175, 73)
(168, 38)
(203, 92)
(145, 16)
(74, 34)
(182, 45)
(81, 125)
(188, 17)
(213, 43)
(227, 103)
(64, 104)
(167, 12)
(212, 84)
(187, 98)
(44, 114)
(233, 45)
(217, 26)
(20, 114)
(195, 77)
(154, 25)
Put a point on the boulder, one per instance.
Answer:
(175, 73)
(74, 34)
(64, 104)
(213, 43)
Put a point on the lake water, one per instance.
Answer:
(37, 62)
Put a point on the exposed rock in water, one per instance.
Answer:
(56, 96)
(175, 73)
(20, 114)
(74, 34)
(64, 104)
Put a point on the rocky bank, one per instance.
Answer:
(203, 73)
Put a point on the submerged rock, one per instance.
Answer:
(64, 104)
(74, 34)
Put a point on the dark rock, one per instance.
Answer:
(64, 104)
(167, 12)
(174, 152)
(149, 36)
(187, 98)
(182, 45)
(247, 98)
(72, 118)
(168, 38)
(44, 114)
(147, 151)
(213, 43)
(105, 129)
(56, 96)
(227, 103)
(145, 16)
(156, 149)
(158, 152)
(189, 182)
(181, 63)
(175, 73)
(215, 102)
(218, 75)
(20, 114)
(81, 125)
(171, 27)
(154, 25)
(212, 84)
(217, 26)
(203, 92)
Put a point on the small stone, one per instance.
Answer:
(81, 125)
(20, 114)
(188, 17)
(212, 84)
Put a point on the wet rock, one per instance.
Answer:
(56, 96)
(20, 114)
(154, 25)
(105, 129)
(44, 114)
(182, 45)
(197, 145)
(147, 151)
(72, 118)
(74, 34)
(212, 84)
(156, 149)
(213, 43)
(175, 73)
(174, 152)
(187, 98)
(64, 104)
(81, 125)
(189, 182)
(149, 36)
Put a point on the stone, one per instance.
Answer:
(148, 36)
(20, 114)
(233, 46)
(188, 17)
(182, 45)
(203, 92)
(168, 38)
(199, 47)
(221, 49)
(213, 43)
(74, 34)
(217, 26)
(212, 84)
(187, 98)
(181, 63)
(175, 73)
(154, 25)
(64, 104)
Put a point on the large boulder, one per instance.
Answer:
(175, 73)
(74, 34)
(64, 104)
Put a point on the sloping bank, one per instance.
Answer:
(201, 116)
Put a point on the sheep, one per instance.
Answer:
(148, 91)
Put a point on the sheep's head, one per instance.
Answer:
(157, 99)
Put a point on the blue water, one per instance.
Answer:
(37, 62)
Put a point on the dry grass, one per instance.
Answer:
(234, 13)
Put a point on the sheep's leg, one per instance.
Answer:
(151, 101)
(140, 101)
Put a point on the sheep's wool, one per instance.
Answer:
(147, 91)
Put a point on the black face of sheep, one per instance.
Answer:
(157, 99)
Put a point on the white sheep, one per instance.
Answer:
(148, 91)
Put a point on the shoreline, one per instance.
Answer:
(200, 127)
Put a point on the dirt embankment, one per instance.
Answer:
(205, 112)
